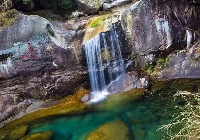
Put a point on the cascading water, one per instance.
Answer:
(104, 58)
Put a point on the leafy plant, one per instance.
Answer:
(66, 3)
(148, 69)
(25, 1)
(185, 125)
(161, 63)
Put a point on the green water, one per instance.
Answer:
(143, 117)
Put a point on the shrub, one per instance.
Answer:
(185, 124)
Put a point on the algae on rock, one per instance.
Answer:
(116, 130)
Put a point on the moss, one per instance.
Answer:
(161, 63)
(98, 21)
(120, 99)
(148, 69)
(191, 85)
(7, 18)
(116, 130)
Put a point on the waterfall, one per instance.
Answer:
(104, 59)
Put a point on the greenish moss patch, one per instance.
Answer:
(7, 18)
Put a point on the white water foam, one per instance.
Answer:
(98, 96)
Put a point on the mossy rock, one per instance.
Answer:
(98, 21)
(191, 85)
(99, 24)
(7, 18)
(116, 130)
(120, 99)
(18, 132)
(45, 135)
(2, 137)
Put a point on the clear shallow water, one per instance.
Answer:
(143, 117)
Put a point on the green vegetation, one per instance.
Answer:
(96, 22)
(25, 1)
(148, 69)
(185, 124)
(66, 3)
(7, 18)
(161, 63)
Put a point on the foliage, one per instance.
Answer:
(148, 69)
(185, 125)
(96, 22)
(161, 62)
(66, 3)
(25, 1)
(7, 18)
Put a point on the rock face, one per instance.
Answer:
(126, 82)
(157, 29)
(183, 64)
(38, 60)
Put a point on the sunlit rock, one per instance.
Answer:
(127, 82)
(100, 24)
(156, 28)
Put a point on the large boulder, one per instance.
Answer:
(39, 60)
(157, 29)
(183, 64)
(116, 130)
(89, 7)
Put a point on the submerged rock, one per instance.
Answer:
(45, 135)
(18, 132)
(116, 130)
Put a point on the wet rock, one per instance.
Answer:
(182, 64)
(119, 99)
(18, 132)
(157, 28)
(127, 82)
(89, 7)
(139, 134)
(45, 135)
(116, 130)
(108, 4)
